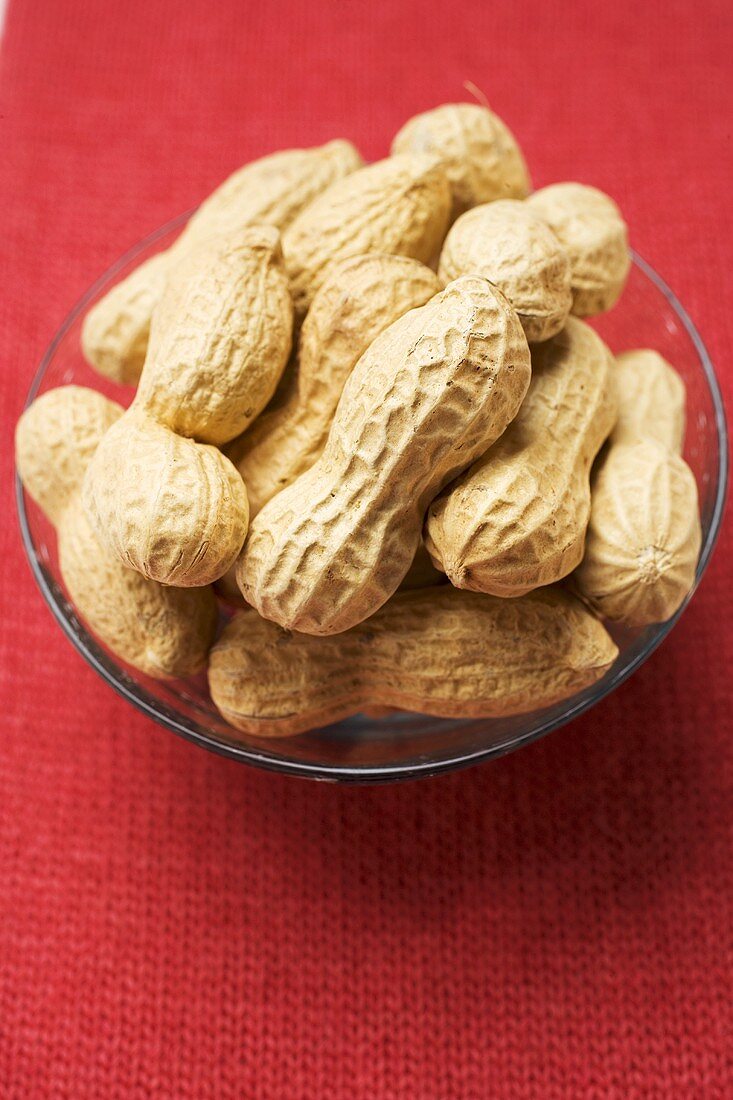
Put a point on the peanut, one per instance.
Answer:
(644, 534)
(220, 339)
(427, 396)
(270, 191)
(360, 298)
(590, 228)
(652, 400)
(171, 506)
(515, 250)
(398, 206)
(479, 154)
(517, 518)
(115, 331)
(163, 632)
(421, 574)
(55, 440)
(437, 651)
(173, 509)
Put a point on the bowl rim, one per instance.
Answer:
(370, 773)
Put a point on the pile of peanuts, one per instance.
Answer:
(371, 423)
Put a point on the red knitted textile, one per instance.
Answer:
(555, 924)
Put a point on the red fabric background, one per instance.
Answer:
(555, 924)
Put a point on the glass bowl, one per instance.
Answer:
(403, 745)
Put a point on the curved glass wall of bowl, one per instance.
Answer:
(401, 745)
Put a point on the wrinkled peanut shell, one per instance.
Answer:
(436, 651)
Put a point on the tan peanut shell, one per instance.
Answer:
(513, 248)
(428, 395)
(592, 231)
(360, 298)
(476, 149)
(163, 632)
(651, 400)
(421, 574)
(220, 337)
(167, 504)
(399, 206)
(115, 331)
(437, 651)
(270, 191)
(517, 518)
(55, 440)
(173, 509)
(644, 535)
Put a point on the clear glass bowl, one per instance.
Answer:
(400, 746)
